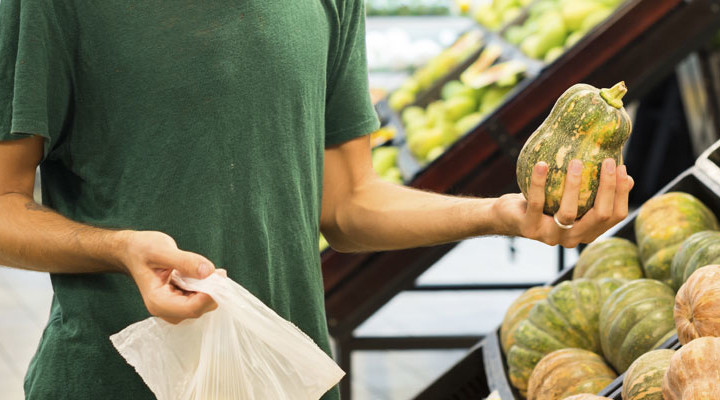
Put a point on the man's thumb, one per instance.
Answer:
(193, 265)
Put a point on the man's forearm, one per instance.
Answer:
(36, 238)
(383, 216)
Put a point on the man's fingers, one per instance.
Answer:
(605, 199)
(536, 194)
(174, 307)
(624, 185)
(569, 203)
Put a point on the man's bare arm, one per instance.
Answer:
(360, 212)
(36, 238)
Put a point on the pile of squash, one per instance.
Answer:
(621, 305)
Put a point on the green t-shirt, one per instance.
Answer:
(203, 120)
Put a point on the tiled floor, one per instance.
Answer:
(25, 300)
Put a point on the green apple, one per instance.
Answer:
(459, 106)
(435, 113)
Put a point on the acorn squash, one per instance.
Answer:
(567, 318)
(587, 124)
(634, 320)
(609, 258)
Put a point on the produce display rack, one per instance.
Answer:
(640, 43)
(702, 181)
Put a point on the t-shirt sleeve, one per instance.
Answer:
(349, 110)
(35, 73)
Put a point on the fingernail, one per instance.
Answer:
(204, 270)
(622, 170)
(542, 168)
(610, 166)
(575, 167)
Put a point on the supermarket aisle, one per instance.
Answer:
(25, 300)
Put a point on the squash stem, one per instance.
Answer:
(614, 95)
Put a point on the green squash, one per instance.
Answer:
(643, 380)
(609, 258)
(567, 318)
(518, 311)
(634, 319)
(662, 224)
(587, 124)
(568, 372)
(699, 250)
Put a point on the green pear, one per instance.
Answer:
(435, 153)
(575, 12)
(467, 123)
(459, 106)
(384, 158)
(553, 54)
(412, 113)
(595, 18)
(493, 98)
(425, 140)
(573, 38)
(511, 14)
(400, 99)
(393, 175)
(456, 88)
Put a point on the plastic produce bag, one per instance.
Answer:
(242, 350)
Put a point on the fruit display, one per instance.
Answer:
(609, 258)
(438, 67)
(694, 372)
(697, 305)
(496, 13)
(661, 226)
(568, 372)
(463, 105)
(568, 318)
(518, 311)
(552, 26)
(635, 319)
(587, 124)
(643, 380)
(698, 250)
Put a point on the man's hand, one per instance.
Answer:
(149, 259)
(525, 218)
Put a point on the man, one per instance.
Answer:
(188, 135)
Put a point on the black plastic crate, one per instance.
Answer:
(464, 381)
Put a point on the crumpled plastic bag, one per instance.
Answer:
(242, 350)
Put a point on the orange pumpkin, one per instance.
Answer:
(694, 372)
(697, 305)
(567, 372)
